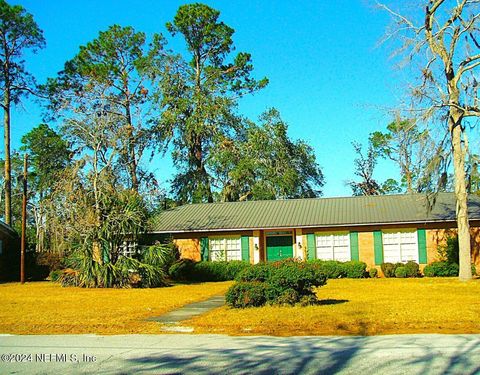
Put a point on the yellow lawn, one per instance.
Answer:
(47, 308)
(361, 307)
(349, 307)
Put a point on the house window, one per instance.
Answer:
(400, 246)
(128, 248)
(333, 246)
(225, 248)
(1, 247)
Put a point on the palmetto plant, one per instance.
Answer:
(95, 239)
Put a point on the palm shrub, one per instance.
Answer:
(95, 259)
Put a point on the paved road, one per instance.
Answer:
(206, 354)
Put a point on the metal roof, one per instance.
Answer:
(315, 212)
(7, 229)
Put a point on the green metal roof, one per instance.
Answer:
(317, 212)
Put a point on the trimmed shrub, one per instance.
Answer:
(355, 269)
(288, 297)
(388, 269)
(258, 272)
(332, 269)
(286, 282)
(246, 294)
(444, 269)
(373, 273)
(401, 272)
(412, 269)
(297, 276)
(182, 270)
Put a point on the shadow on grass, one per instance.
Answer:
(332, 301)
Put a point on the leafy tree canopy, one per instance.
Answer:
(49, 153)
(264, 163)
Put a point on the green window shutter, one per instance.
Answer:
(311, 248)
(106, 256)
(378, 246)
(246, 248)
(204, 248)
(354, 246)
(422, 246)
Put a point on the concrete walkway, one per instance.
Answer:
(220, 354)
(175, 317)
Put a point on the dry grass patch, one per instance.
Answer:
(361, 307)
(47, 308)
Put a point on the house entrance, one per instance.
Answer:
(279, 246)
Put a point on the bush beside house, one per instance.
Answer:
(401, 270)
(282, 283)
(448, 264)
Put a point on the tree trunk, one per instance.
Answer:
(201, 172)
(132, 159)
(8, 165)
(461, 197)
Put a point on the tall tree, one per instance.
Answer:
(262, 162)
(410, 148)
(115, 69)
(199, 95)
(18, 33)
(49, 155)
(443, 36)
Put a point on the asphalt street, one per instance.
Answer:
(211, 354)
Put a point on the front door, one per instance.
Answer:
(279, 247)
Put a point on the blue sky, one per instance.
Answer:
(329, 81)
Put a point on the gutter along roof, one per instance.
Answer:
(315, 212)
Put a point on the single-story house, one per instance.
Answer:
(372, 229)
(9, 252)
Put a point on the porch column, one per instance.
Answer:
(256, 246)
(298, 247)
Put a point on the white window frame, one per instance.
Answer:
(230, 248)
(128, 248)
(335, 255)
(402, 246)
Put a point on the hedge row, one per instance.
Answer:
(444, 269)
(189, 270)
(335, 270)
(401, 270)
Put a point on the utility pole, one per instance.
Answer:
(24, 221)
